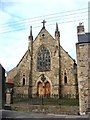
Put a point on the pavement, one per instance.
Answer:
(16, 115)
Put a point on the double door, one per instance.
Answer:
(43, 89)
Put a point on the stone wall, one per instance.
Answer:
(67, 65)
(69, 110)
(83, 60)
(18, 73)
(53, 74)
(11, 74)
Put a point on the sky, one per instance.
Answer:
(16, 17)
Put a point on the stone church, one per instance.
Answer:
(46, 68)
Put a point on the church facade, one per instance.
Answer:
(46, 68)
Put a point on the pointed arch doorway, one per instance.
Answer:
(43, 89)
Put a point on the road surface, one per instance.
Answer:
(40, 116)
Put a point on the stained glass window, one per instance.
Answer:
(43, 59)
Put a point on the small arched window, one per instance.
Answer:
(65, 78)
(43, 59)
(23, 82)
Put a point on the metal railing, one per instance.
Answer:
(69, 100)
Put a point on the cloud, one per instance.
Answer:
(4, 17)
(4, 4)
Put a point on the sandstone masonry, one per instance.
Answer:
(83, 67)
(46, 68)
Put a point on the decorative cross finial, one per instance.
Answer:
(44, 23)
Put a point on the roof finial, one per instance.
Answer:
(57, 30)
(31, 36)
(44, 23)
(30, 30)
(57, 27)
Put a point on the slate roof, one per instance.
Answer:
(84, 37)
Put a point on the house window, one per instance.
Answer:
(43, 59)
(65, 78)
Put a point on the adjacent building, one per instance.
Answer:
(83, 68)
(2, 87)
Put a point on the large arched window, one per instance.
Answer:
(43, 59)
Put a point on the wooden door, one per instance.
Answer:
(40, 90)
(47, 89)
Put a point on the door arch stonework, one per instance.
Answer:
(46, 83)
(43, 89)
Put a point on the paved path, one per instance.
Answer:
(40, 116)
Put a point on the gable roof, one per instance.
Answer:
(41, 32)
(22, 58)
(54, 39)
(43, 28)
(11, 81)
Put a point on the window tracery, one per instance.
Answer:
(43, 59)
